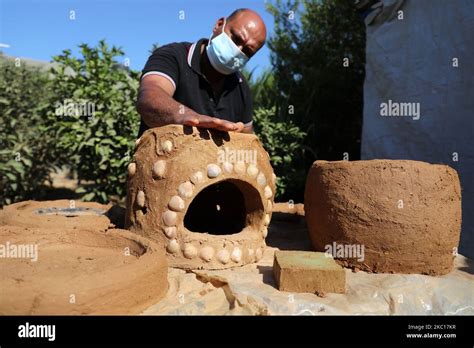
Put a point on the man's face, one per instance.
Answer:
(247, 30)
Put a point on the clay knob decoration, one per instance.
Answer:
(159, 169)
(208, 196)
(395, 216)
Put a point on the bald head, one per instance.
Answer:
(246, 28)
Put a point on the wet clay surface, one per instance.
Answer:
(80, 264)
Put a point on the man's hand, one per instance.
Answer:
(204, 121)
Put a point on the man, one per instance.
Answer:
(200, 84)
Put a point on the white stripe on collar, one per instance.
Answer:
(190, 53)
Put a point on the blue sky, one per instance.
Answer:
(39, 29)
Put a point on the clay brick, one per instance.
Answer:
(307, 271)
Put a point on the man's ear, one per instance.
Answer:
(218, 26)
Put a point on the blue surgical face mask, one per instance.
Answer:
(224, 54)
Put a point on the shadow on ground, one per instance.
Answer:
(288, 232)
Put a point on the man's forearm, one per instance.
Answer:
(157, 108)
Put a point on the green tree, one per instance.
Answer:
(92, 110)
(311, 42)
(262, 88)
(26, 156)
(283, 142)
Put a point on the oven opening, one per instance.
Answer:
(223, 208)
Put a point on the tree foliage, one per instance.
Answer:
(25, 153)
(309, 46)
(98, 143)
(262, 88)
(282, 141)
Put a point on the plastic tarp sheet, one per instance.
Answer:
(423, 56)
(251, 290)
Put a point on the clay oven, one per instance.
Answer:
(206, 196)
(405, 214)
